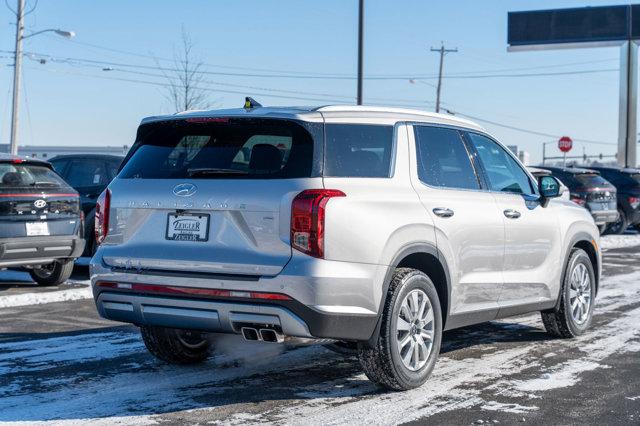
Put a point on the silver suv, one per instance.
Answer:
(376, 227)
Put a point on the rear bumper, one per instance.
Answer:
(335, 300)
(602, 217)
(39, 250)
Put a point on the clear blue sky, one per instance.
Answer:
(79, 104)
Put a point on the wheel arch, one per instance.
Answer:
(424, 257)
(583, 241)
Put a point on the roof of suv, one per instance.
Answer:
(6, 158)
(571, 170)
(628, 170)
(400, 114)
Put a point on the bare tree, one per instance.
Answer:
(185, 89)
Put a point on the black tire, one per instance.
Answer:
(175, 346)
(55, 273)
(637, 227)
(560, 322)
(619, 226)
(90, 235)
(383, 364)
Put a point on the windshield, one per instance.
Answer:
(221, 148)
(28, 175)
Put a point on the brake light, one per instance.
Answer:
(307, 220)
(634, 202)
(102, 216)
(578, 199)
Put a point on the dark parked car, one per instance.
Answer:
(89, 175)
(590, 190)
(627, 182)
(41, 226)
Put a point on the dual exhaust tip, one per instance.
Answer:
(262, 334)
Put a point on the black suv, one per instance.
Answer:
(41, 226)
(627, 182)
(591, 191)
(89, 174)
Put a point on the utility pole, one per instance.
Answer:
(360, 47)
(17, 72)
(442, 52)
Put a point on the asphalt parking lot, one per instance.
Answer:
(61, 363)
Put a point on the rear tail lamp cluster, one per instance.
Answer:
(102, 216)
(579, 199)
(634, 202)
(307, 220)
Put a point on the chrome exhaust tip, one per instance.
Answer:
(250, 333)
(271, 336)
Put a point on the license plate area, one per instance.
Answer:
(187, 227)
(36, 229)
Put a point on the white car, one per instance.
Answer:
(381, 227)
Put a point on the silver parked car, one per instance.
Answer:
(379, 227)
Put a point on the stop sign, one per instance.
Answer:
(565, 144)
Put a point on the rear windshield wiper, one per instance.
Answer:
(43, 183)
(213, 171)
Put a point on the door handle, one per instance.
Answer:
(443, 212)
(512, 214)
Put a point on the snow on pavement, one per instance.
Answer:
(106, 377)
(608, 242)
(39, 298)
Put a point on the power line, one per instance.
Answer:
(519, 129)
(317, 76)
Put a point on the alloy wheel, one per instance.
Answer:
(415, 330)
(580, 293)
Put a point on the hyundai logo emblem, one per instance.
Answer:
(39, 204)
(184, 189)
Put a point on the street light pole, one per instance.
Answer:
(360, 47)
(17, 69)
(17, 72)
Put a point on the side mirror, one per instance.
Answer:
(549, 188)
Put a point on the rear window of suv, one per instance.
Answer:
(211, 148)
(592, 180)
(358, 150)
(14, 175)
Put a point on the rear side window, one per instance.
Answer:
(28, 175)
(221, 149)
(443, 160)
(358, 150)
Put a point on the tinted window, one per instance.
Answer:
(89, 172)
(443, 159)
(28, 175)
(503, 172)
(112, 169)
(221, 148)
(356, 150)
(592, 180)
(59, 165)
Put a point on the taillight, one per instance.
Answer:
(102, 216)
(634, 202)
(579, 199)
(307, 220)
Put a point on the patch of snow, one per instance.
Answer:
(608, 242)
(39, 298)
(508, 407)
